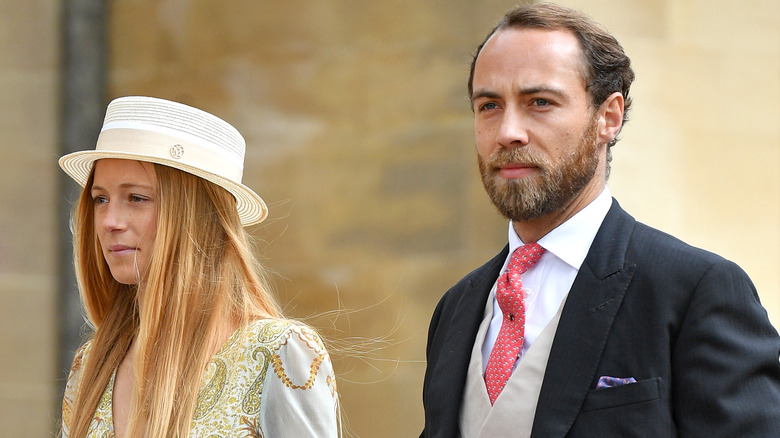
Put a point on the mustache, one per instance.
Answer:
(516, 156)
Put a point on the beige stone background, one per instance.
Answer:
(360, 139)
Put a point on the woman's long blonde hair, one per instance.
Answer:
(202, 275)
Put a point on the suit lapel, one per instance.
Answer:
(587, 317)
(461, 331)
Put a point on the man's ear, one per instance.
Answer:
(610, 118)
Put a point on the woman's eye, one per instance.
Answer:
(99, 200)
(136, 198)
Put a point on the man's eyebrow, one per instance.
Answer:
(536, 89)
(527, 91)
(484, 94)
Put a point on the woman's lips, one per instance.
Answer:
(120, 250)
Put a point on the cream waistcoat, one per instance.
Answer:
(514, 410)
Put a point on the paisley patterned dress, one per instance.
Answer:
(272, 379)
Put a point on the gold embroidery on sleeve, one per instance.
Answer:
(252, 429)
(210, 393)
(251, 404)
(313, 368)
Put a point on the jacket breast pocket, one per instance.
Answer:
(632, 393)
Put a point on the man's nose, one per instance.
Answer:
(513, 129)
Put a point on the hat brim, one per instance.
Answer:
(251, 207)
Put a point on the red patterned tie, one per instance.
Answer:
(510, 297)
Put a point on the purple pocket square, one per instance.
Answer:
(609, 381)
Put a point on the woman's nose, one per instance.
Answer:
(112, 218)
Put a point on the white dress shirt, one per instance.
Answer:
(548, 282)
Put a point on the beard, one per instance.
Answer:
(553, 189)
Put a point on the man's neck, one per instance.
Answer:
(534, 229)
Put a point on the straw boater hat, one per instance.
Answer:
(176, 135)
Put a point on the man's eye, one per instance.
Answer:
(488, 106)
(541, 102)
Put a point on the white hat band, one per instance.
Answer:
(166, 148)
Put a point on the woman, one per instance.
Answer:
(187, 339)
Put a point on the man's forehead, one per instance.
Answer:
(539, 40)
(537, 53)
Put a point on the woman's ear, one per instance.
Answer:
(610, 118)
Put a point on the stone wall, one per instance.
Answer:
(360, 140)
(29, 77)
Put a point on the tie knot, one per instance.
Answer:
(509, 293)
(525, 257)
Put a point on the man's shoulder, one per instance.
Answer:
(646, 242)
(656, 252)
(478, 280)
(490, 269)
(654, 242)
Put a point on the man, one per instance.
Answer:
(597, 325)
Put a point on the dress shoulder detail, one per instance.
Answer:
(72, 385)
(268, 371)
(271, 378)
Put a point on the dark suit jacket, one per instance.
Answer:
(685, 323)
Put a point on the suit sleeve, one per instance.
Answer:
(726, 366)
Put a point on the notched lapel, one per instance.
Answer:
(468, 311)
(465, 317)
(586, 320)
(460, 322)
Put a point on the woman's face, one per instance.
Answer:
(124, 195)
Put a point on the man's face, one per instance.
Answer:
(535, 128)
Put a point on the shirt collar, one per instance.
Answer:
(571, 240)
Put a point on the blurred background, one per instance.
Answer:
(360, 139)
